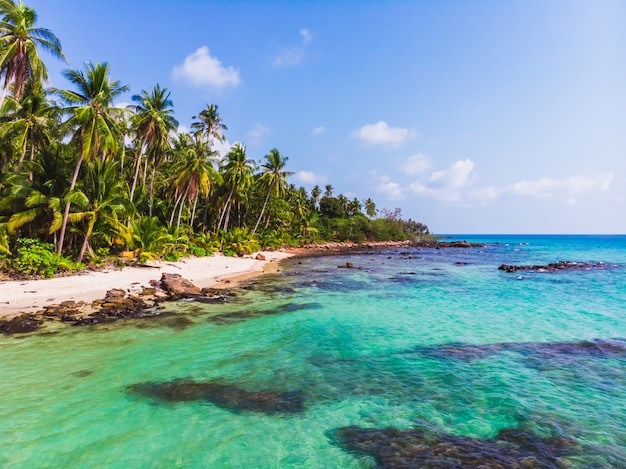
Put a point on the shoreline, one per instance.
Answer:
(216, 271)
(28, 297)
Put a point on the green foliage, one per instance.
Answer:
(35, 257)
(237, 242)
(149, 239)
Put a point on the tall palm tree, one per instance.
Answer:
(316, 193)
(237, 174)
(153, 121)
(19, 40)
(196, 175)
(273, 178)
(92, 119)
(328, 191)
(209, 124)
(30, 120)
(107, 200)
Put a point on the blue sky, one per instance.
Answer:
(472, 116)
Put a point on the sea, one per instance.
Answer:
(401, 358)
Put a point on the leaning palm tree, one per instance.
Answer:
(237, 174)
(92, 120)
(154, 122)
(19, 40)
(273, 178)
(209, 124)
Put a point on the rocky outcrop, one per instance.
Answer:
(178, 287)
(19, 324)
(558, 267)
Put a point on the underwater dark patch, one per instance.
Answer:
(226, 396)
(246, 314)
(393, 448)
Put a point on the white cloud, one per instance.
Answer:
(319, 130)
(384, 186)
(485, 195)
(380, 132)
(183, 129)
(309, 177)
(417, 164)
(290, 56)
(445, 194)
(550, 187)
(255, 136)
(455, 176)
(221, 147)
(201, 69)
(307, 36)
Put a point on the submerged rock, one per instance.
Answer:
(558, 266)
(245, 314)
(597, 348)
(19, 325)
(511, 449)
(223, 395)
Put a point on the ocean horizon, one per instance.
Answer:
(413, 357)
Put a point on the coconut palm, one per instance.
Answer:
(29, 121)
(370, 208)
(196, 175)
(19, 41)
(273, 178)
(237, 174)
(154, 122)
(92, 120)
(316, 193)
(209, 124)
(328, 191)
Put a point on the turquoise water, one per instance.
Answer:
(362, 346)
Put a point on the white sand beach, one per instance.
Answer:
(34, 295)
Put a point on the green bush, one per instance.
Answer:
(35, 257)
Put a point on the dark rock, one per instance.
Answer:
(177, 287)
(558, 266)
(347, 265)
(19, 325)
(115, 293)
(239, 316)
(260, 257)
(512, 449)
(223, 395)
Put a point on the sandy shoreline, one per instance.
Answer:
(33, 295)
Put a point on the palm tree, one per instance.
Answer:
(107, 199)
(370, 208)
(316, 193)
(209, 123)
(196, 175)
(329, 191)
(274, 178)
(153, 122)
(19, 40)
(92, 119)
(30, 120)
(237, 173)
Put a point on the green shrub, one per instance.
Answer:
(35, 257)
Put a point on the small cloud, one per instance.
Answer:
(221, 148)
(384, 186)
(417, 164)
(380, 132)
(201, 69)
(307, 36)
(290, 56)
(319, 130)
(549, 187)
(485, 195)
(183, 129)
(255, 136)
(444, 194)
(309, 178)
(454, 177)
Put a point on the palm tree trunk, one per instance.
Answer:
(86, 240)
(193, 211)
(262, 211)
(176, 202)
(180, 210)
(227, 206)
(21, 161)
(66, 214)
(151, 190)
(137, 166)
(32, 157)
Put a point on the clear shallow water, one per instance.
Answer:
(359, 346)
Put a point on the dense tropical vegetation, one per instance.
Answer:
(81, 179)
